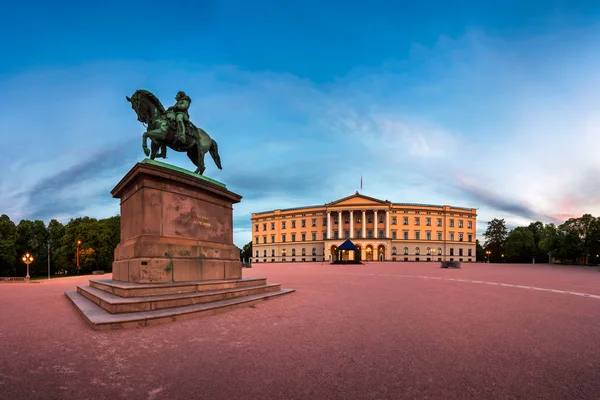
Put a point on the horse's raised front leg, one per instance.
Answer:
(144, 145)
(155, 135)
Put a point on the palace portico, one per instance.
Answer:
(380, 229)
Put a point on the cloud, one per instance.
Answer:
(80, 186)
(497, 201)
(508, 127)
(504, 119)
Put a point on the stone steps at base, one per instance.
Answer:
(100, 319)
(115, 304)
(130, 289)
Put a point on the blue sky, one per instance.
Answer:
(491, 105)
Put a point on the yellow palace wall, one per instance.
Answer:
(401, 231)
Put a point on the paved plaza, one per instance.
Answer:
(374, 331)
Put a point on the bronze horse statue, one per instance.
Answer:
(162, 132)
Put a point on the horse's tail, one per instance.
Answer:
(214, 153)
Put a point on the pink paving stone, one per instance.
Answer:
(371, 331)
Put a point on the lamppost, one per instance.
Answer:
(78, 244)
(27, 259)
(502, 255)
(488, 252)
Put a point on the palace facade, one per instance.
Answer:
(380, 229)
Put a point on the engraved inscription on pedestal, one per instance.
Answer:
(201, 220)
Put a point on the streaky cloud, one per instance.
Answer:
(58, 193)
(501, 203)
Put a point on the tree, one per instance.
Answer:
(578, 235)
(8, 246)
(495, 236)
(32, 238)
(246, 252)
(594, 242)
(520, 245)
(479, 251)
(56, 231)
(537, 229)
(87, 260)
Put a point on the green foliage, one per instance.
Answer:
(520, 245)
(479, 251)
(87, 259)
(537, 228)
(495, 236)
(98, 241)
(246, 252)
(549, 239)
(32, 238)
(8, 246)
(576, 241)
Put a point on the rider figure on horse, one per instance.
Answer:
(179, 113)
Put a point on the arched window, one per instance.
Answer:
(293, 252)
(417, 251)
(283, 252)
(256, 253)
(273, 253)
(393, 251)
(265, 253)
(439, 251)
(314, 253)
(303, 252)
(406, 251)
(429, 251)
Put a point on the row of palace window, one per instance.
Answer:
(394, 252)
(369, 219)
(283, 252)
(380, 235)
(393, 259)
(439, 251)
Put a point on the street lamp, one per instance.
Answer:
(488, 252)
(27, 259)
(502, 255)
(78, 244)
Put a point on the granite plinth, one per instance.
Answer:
(175, 227)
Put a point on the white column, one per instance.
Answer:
(375, 222)
(340, 225)
(351, 224)
(328, 225)
(364, 224)
(387, 223)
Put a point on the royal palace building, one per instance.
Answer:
(380, 230)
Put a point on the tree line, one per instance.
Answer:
(98, 241)
(576, 241)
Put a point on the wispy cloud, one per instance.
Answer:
(80, 186)
(474, 121)
(497, 201)
(517, 134)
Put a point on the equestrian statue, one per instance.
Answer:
(172, 127)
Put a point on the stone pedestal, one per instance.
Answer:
(176, 226)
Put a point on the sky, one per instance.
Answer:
(489, 105)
